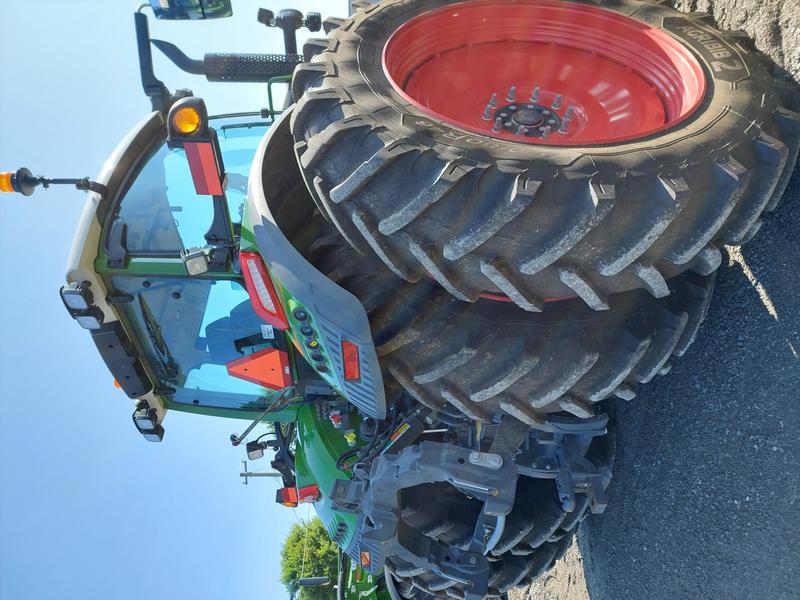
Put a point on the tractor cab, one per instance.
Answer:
(193, 295)
(169, 253)
(170, 271)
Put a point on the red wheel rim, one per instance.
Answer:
(590, 75)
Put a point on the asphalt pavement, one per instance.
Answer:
(706, 491)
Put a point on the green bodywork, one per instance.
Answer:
(318, 443)
(363, 586)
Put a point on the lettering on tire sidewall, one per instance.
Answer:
(724, 60)
(455, 137)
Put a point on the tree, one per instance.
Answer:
(321, 560)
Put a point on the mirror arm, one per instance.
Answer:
(153, 87)
(238, 439)
(177, 56)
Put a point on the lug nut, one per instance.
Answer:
(498, 124)
(535, 94)
(545, 131)
(566, 119)
(557, 102)
(512, 93)
(490, 106)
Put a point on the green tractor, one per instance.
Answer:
(432, 378)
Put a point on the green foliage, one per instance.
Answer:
(321, 560)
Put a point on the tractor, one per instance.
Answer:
(425, 275)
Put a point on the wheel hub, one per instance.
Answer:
(531, 118)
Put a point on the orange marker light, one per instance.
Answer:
(5, 182)
(186, 120)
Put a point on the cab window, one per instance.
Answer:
(161, 211)
(191, 329)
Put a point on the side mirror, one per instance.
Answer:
(314, 581)
(181, 10)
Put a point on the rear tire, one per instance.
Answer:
(535, 222)
(491, 357)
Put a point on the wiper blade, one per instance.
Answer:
(165, 357)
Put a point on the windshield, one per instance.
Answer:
(161, 210)
(191, 329)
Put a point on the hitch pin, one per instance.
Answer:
(474, 486)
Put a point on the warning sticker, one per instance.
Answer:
(267, 332)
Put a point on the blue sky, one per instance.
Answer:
(88, 509)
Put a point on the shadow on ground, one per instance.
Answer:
(706, 490)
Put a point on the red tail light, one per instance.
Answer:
(263, 297)
(290, 496)
(309, 493)
(352, 368)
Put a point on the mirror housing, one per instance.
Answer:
(195, 10)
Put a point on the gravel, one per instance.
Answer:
(564, 581)
(773, 24)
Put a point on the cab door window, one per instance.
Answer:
(161, 210)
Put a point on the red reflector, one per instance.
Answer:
(203, 165)
(352, 368)
(309, 493)
(268, 367)
(262, 292)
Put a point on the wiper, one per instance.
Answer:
(165, 357)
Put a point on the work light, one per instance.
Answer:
(77, 295)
